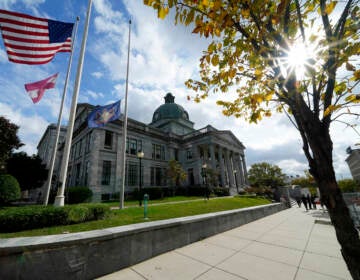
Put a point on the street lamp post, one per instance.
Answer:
(203, 171)
(140, 155)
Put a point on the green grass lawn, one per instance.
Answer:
(130, 203)
(132, 215)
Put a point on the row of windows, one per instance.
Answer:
(77, 148)
(157, 174)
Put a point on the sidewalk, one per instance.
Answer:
(286, 245)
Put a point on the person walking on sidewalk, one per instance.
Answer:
(304, 201)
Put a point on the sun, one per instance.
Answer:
(297, 59)
(300, 59)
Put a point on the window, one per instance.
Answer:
(158, 152)
(132, 174)
(106, 173)
(157, 176)
(80, 147)
(108, 139)
(88, 141)
(191, 176)
(189, 154)
(77, 174)
(176, 153)
(87, 168)
(133, 146)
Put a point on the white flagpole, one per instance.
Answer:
(122, 187)
(59, 200)
(53, 156)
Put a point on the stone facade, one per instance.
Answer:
(95, 157)
(353, 161)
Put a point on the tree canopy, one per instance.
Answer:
(8, 139)
(265, 175)
(30, 172)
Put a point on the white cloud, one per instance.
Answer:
(31, 127)
(97, 75)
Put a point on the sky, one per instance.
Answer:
(162, 58)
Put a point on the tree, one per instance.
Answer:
(9, 189)
(306, 181)
(252, 51)
(265, 175)
(8, 139)
(30, 172)
(175, 173)
(349, 185)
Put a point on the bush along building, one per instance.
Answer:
(208, 155)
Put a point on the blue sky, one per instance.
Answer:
(163, 57)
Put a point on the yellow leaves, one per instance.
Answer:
(162, 12)
(268, 96)
(245, 13)
(355, 98)
(205, 3)
(357, 75)
(330, 7)
(232, 73)
(215, 60)
(190, 17)
(331, 109)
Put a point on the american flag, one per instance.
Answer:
(33, 40)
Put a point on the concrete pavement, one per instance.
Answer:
(286, 245)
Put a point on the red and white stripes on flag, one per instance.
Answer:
(33, 40)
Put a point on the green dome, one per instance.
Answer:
(170, 110)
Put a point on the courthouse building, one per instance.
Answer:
(353, 161)
(95, 157)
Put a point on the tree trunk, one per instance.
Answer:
(321, 167)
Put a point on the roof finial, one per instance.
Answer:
(169, 98)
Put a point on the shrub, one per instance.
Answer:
(221, 191)
(14, 219)
(9, 189)
(79, 195)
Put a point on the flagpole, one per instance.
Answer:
(53, 156)
(122, 187)
(59, 200)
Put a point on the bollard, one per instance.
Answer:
(146, 198)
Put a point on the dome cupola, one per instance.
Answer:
(170, 110)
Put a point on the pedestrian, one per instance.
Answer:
(308, 199)
(304, 201)
(298, 200)
(313, 198)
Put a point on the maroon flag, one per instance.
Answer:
(36, 90)
(33, 40)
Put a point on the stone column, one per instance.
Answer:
(212, 155)
(245, 171)
(240, 170)
(229, 169)
(222, 171)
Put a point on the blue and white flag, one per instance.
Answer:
(104, 114)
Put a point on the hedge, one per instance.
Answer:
(13, 219)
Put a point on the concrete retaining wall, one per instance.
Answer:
(91, 254)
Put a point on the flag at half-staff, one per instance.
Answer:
(36, 90)
(104, 114)
(33, 40)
